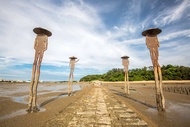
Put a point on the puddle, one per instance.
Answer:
(18, 113)
(176, 114)
(20, 99)
(10, 90)
(181, 108)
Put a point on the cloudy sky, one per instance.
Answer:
(98, 32)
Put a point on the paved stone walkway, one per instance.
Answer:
(97, 109)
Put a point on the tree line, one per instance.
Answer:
(169, 72)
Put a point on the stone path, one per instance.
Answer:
(97, 109)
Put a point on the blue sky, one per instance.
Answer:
(98, 32)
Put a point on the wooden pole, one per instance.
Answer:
(40, 45)
(161, 90)
(72, 66)
(125, 83)
(125, 63)
(153, 44)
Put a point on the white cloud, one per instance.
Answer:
(78, 30)
(135, 41)
(173, 35)
(175, 53)
(171, 14)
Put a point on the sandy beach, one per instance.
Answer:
(53, 100)
(142, 100)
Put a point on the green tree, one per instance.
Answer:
(169, 72)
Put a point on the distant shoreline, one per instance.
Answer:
(152, 82)
(111, 82)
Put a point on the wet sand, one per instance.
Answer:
(53, 100)
(142, 100)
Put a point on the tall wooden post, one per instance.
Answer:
(40, 45)
(127, 75)
(72, 67)
(125, 63)
(125, 82)
(153, 44)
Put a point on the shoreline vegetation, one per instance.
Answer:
(169, 72)
(149, 82)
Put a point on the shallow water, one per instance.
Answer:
(20, 92)
(20, 99)
(10, 90)
(175, 115)
(19, 112)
